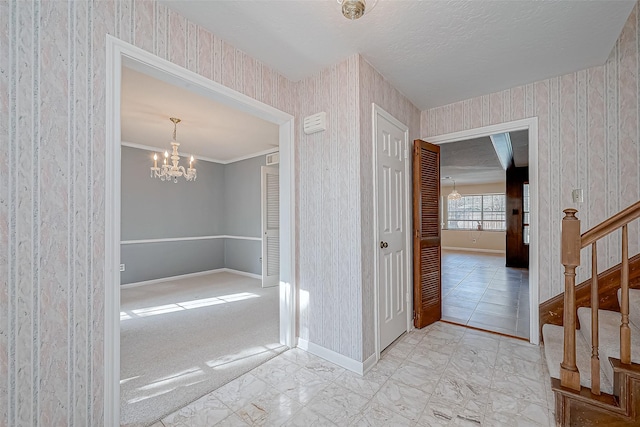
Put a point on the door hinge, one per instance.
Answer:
(406, 154)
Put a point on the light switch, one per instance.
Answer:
(577, 195)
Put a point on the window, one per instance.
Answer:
(482, 211)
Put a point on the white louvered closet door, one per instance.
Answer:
(270, 227)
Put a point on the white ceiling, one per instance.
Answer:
(474, 161)
(435, 52)
(209, 130)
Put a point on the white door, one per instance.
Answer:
(270, 227)
(391, 170)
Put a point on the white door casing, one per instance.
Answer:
(120, 53)
(531, 125)
(392, 222)
(270, 226)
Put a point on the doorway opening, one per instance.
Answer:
(121, 54)
(482, 286)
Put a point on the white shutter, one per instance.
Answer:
(270, 226)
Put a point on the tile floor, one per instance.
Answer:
(441, 375)
(478, 290)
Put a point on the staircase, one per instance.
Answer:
(595, 370)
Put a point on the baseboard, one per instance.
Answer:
(188, 275)
(369, 363)
(242, 273)
(337, 358)
(488, 251)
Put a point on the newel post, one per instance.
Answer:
(571, 245)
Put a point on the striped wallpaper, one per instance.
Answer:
(52, 127)
(52, 169)
(588, 138)
(336, 208)
(375, 89)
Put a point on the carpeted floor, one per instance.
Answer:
(183, 339)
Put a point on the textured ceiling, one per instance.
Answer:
(474, 161)
(520, 145)
(435, 52)
(208, 129)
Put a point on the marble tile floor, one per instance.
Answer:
(442, 375)
(479, 291)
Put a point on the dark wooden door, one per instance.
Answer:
(517, 250)
(427, 289)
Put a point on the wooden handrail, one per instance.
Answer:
(609, 225)
(572, 243)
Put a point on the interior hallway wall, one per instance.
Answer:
(375, 89)
(52, 197)
(588, 127)
(330, 268)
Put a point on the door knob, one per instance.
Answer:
(383, 245)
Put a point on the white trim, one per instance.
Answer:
(184, 239)
(160, 150)
(226, 236)
(242, 273)
(188, 275)
(336, 358)
(198, 157)
(489, 251)
(112, 236)
(252, 155)
(369, 363)
(170, 278)
(376, 111)
(532, 125)
(119, 53)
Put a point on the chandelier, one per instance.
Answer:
(167, 171)
(454, 195)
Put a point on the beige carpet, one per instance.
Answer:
(183, 339)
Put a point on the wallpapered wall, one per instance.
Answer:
(52, 127)
(588, 138)
(52, 158)
(329, 164)
(336, 204)
(375, 89)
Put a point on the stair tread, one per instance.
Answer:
(553, 350)
(634, 306)
(609, 337)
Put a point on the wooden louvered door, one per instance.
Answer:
(427, 289)
(270, 226)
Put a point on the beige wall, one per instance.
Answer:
(474, 240)
(588, 138)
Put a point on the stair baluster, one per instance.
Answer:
(595, 359)
(625, 331)
(569, 374)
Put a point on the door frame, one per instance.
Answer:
(376, 111)
(119, 53)
(530, 124)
